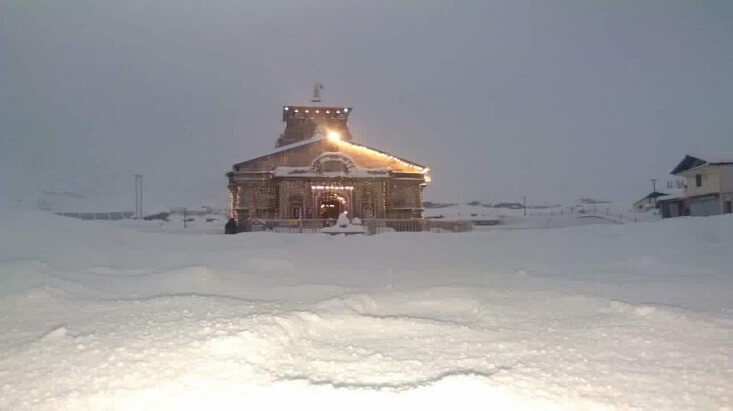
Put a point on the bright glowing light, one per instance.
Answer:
(287, 108)
(334, 136)
(346, 110)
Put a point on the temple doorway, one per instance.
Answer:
(331, 205)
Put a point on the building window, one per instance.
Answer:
(698, 180)
(729, 207)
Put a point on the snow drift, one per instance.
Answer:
(100, 315)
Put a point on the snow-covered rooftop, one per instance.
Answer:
(714, 158)
(319, 135)
(672, 196)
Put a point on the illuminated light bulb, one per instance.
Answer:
(346, 109)
(318, 111)
(338, 111)
(287, 108)
(334, 136)
(306, 111)
(328, 112)
(296, 110)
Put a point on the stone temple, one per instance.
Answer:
(318, 171)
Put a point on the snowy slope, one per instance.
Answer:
(104, 316)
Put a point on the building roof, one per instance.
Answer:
(675, 196)
(693, 161)
(653, 194)
(320, 136)
(316, 138)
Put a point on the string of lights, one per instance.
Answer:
(330, 187)
(335, 137)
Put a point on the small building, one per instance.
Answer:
(648, 202)
(708, 188)
(318, 171)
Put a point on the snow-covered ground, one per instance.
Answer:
(469, 212)
(105, 315)
(572, 215)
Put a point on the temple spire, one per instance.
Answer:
(317, 93)
(301, 122)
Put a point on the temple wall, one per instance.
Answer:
(369, 198)
(373, 198)
(295, 194)
(404, 199)
(255, 200)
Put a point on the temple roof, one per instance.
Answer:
(320, 137)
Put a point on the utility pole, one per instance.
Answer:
(524, 205)
(138, 196)
(654, 185)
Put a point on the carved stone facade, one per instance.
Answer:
(317, 172)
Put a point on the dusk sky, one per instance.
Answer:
(554, 100)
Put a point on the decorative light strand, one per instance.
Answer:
(330, 187)
(368, 150)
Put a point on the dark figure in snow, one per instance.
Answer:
(230, 227)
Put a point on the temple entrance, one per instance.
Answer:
(331, 205)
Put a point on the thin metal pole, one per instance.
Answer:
(524, 203)
(141, 196)
(137, 197)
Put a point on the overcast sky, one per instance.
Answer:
(550, 99)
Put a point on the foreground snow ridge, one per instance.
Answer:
(104, 316)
